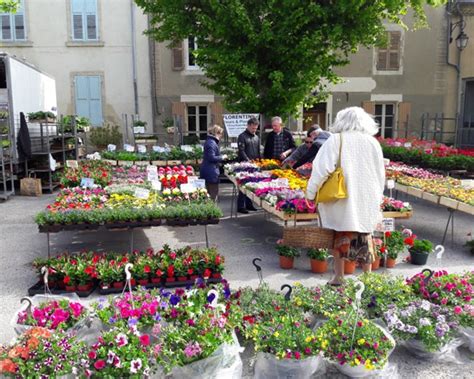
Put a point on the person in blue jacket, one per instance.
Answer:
(211, 159)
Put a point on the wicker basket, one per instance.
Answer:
(308, 237)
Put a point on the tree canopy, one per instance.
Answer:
(8, 6)
(267, 56)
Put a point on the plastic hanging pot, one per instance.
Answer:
(417, 258)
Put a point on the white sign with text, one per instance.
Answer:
(236, 123)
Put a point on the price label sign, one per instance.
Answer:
(87, 183)
(234, 145)
(407, 145)
(390, 184)
(199, 184)
(111, 147)
(139, 130)
(141, 193)
(187, 188)
(129, 148)
(192, 178)
(158, 149)
(152, 173)
(72, 164)
(156, 185)
(282, 182)
(187, 148)
(141, 149)
(388, 224)
(386, 161)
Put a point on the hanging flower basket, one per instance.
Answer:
(268, 366)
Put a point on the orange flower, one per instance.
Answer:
(19, 351)
(7, 365)
(39, 332)
(33, 343)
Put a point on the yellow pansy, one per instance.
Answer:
(369, 365)
(324, 344)
(308, 339)
(361, 341)
(356, 362)
(276, 334)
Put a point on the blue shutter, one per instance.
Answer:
(90, 6)
(78, 6)
(89, 98)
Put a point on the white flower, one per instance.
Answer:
(110, 357)
(424, 321)
(135, 365)
(121, 339)
(425, 305)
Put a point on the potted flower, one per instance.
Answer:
(40, 353)
(105, 273)
(141, 270)
(287, 255)
(357, 347)
(394, 245)
(318, 257)
(378, 243)
(349, 266)
(419, 251)
(120, 353)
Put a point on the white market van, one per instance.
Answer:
(24, 88)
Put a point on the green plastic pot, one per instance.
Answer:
(419, 259)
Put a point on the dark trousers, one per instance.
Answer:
(212, 190)
(243, 201)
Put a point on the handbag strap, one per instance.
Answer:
(340, 152)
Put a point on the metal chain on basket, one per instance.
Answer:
(45, 272)
(356, 308)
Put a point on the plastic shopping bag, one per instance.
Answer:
(467, 335)
(267, 366)
(447, 354)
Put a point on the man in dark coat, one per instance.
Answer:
(320, 136)
(280, 142)
(249, 149)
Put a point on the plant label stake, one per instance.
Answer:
(358, 297)
(430, 274)
(287, 299)
(439, 250)
(259, 269)
(45, 272)
(128, 282)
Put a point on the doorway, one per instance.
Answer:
(315, 115)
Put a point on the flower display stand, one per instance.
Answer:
(398, 214)
(38, 289)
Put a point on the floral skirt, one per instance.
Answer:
(355, 246)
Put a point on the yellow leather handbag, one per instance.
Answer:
(334, 188)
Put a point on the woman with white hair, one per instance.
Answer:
(354, 218)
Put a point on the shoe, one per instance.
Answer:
(242, 210)
(252, 208)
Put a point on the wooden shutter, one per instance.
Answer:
(177, 56)
(388, 58)
(369, 107)
(216, 110)
(404, 110)
(89, 98)
(178, 110)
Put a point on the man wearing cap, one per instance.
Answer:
(320, 136)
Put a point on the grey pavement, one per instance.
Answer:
(239, 240)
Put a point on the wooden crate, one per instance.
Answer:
(430, 197)
(415, 192)
(174, 163)
(267, 206)
(467, 208)
(401, 187)
(110, 162)
(159, 163)
(397, 214)
(254, 198)
(447, 202)
(125, 163)
(142, 163)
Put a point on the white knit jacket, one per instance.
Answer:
(364, 173)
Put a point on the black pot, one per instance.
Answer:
(419, 259)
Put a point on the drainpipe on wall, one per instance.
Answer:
(134, 53)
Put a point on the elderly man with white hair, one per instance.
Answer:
(280, 142)
(355, 217)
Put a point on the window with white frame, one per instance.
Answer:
(13, 24)
(198, 120)
(385, 117)
(84, 20)
(191, 47)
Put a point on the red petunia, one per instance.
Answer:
(146, 269)
(92, 355)
(67, 279)
(100, 364)
(145, 340)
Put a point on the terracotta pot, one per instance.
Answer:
(170, 280)
(349, 267)
(376, 264)
(84, 287)
(182, 278)
(286, 262)
(390, 263)
(70, 288)
(156, 280)
(319, 267)
(143, 282)
(217, 275)
(118, 284)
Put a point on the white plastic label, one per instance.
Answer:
(187, 148)
(141, 193)
(157, 149)
(129, 148)
(152, 173)
(111, 147)
(388, 224)
(282, 182)
(141, 149)
(192, 178)
(199, 183)
(87, 183)
(72, 164)
(390, 184)
(187, 188)
(156, 185)
(407, 144)
(234, 145)
(138, 129)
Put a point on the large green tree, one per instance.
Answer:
(8, 6)
(268, 55)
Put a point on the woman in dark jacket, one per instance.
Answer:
(211, 159)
